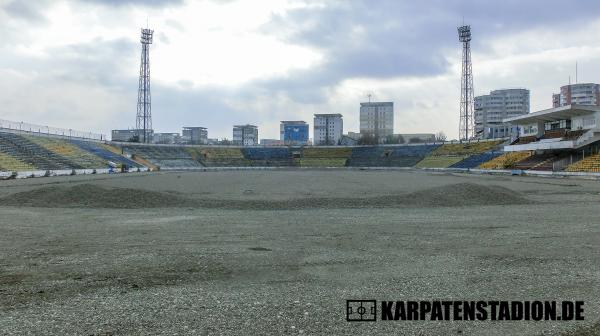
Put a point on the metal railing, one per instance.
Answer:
(563, 163)
(47, 130)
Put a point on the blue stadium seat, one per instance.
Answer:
(95, 148)
(266, 153)
(389, 156)
(474, 161)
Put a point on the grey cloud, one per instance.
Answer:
(145, 3)
(105, 62)
(391, 38)
(164, 38)
(174, 107)
(175, 25)
(383, 39)
(108, 63)
(31, 11)
(111, 66)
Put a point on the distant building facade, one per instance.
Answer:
(377, 120)
(194, 135)
(491, 109)
(328, 129)
(293, 132)
(245, 135)
(166, 138)
(577, 94)
(125, 135)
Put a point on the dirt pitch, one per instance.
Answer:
(279, 252)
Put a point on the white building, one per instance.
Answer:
(328, 129)
(491, 109)
(165, 138)
(194, 135)
(245, 135)
(377, 119)
(577, 94)
(559, 128)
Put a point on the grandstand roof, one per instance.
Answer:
(554, 114)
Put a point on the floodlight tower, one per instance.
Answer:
(143, 122)
(466, 124)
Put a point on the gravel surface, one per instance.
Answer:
(92, 196)
(90, 266)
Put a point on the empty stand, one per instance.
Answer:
(175, 163)
(440, 161)
(105, 152)
(590, 164)
(166, 157)
(319, 152)
(268, 157)
(389, 156)
(537, 162)
(33, 154)
(460, 155)
(366, 157)
(266, 153)
(467, 148)
(505, 161)
(18, 152)
(9, 163)
(221, 157)
(325, 157)
(69, 151)
(322, 162)
(476, 160)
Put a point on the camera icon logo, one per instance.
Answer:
(361, 310)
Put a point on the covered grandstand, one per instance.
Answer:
(558, 138)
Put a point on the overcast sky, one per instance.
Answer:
(75, 63)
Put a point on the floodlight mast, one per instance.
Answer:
(143, 122)
(466, 123)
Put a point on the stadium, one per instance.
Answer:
(372, 232)
(126, 238)
(27, 151)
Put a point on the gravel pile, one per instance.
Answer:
(464, 194)
(92, 196)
